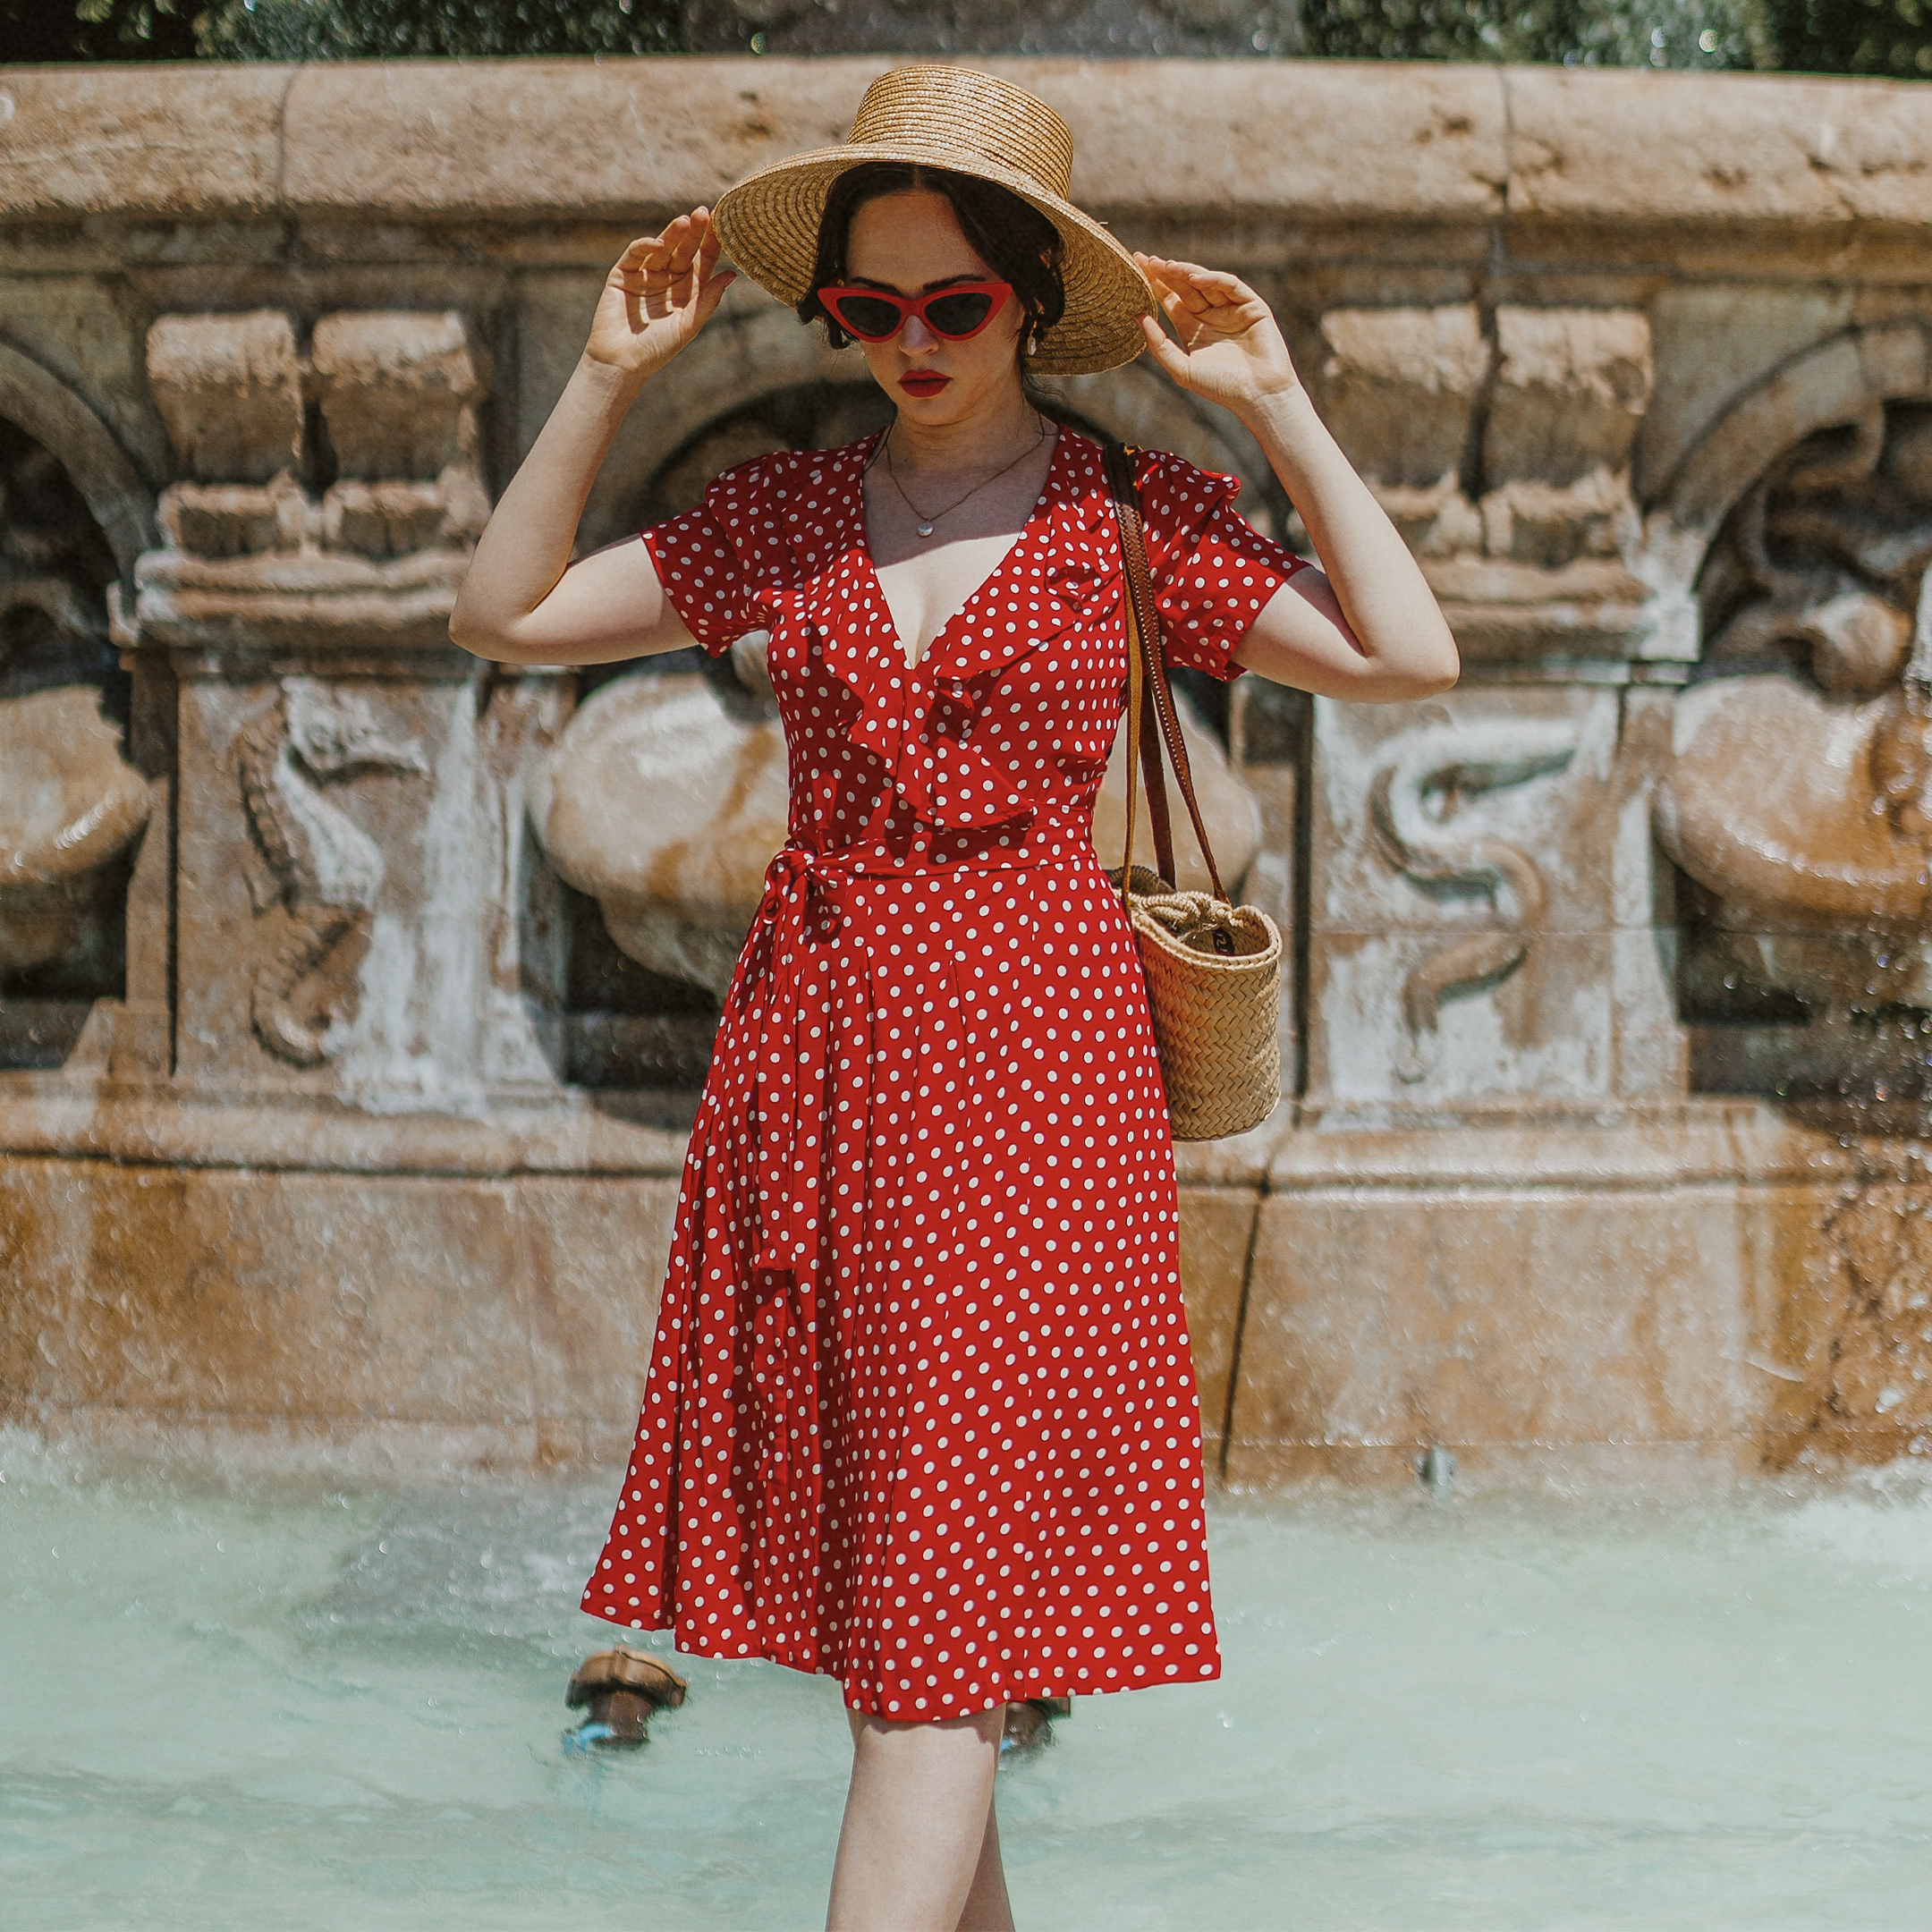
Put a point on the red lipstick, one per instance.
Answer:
(923, 382)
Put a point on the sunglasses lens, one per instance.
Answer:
(958, 315)
(866, 315)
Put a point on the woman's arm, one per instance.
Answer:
(524, 601)
(1366, 626)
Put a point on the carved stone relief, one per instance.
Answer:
(1502, 448)
(274, 533)
(667, 809)
(665, 803)
(1419, 793)
(322, 868)
(71, 805)
(367, 775)
(229, 389)
(1470, 941)
(1798, 801)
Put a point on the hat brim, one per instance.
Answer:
(769, 224)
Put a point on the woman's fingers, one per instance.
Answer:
(687, 243)
(694, 234)
(1204, 324)
(1162, 346)
(1200, 289)
(1200, 315)
(711, 294)
(1191, 270)
(662, 289)
(1175, 289)
(1229, 348)
(677, 249)
(710, 244)
(1216, 292)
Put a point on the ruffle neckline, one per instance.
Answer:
(944, 781)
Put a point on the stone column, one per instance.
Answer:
(1483, 926)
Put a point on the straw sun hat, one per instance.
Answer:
(950, 117)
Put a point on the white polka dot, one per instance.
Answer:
(921, 1411)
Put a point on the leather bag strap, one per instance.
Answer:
(1152, 720)
(1144, 758)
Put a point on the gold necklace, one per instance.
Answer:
(924, 524)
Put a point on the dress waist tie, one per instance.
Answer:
(789, 1312)
(791, 1070)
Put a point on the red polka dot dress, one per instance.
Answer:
(921, 1413)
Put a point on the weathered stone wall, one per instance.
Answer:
(358, 1131)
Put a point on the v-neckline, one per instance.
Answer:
(1041, 504)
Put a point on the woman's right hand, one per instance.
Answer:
(664, 290)
(523, 600)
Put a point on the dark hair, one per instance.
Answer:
(1011, 236)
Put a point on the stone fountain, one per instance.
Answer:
(354, 993)
(1798, 800)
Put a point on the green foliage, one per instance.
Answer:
(353, 29)
(1578, 33)
(99, 30)
(1874, 37)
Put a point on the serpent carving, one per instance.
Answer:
(1449, 763)
(327, 870)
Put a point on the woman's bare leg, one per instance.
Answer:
(987, 1907)
(919, 1851)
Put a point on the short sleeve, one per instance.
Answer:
(700, 566)
(1214, 571)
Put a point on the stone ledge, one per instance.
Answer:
(158, 1129)
(181, 140)
(1686, 148)
(1275, 139)
(1531, 1144)
(1739, 1143)
(1696, 1143)
(1666, 1465)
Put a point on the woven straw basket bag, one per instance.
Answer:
(1212, 968)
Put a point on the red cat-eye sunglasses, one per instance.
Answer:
(957, 312)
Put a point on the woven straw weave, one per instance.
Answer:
(1215, 1013)
(950, 117)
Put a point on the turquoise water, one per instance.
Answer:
(275, 1706)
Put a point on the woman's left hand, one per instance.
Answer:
(1230, 349)
(1366, 625)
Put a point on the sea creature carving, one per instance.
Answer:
(1417, 799)
(1821, 566)
(70, 802)
(325, 869)
(665, 804)
(1801, 797)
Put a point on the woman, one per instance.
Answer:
(920, 1412)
